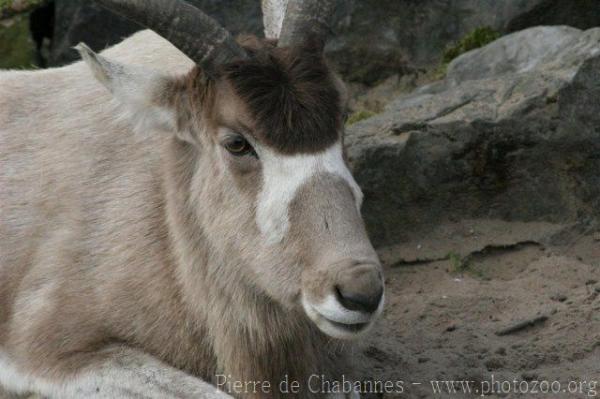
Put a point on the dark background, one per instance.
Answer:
(372, 39)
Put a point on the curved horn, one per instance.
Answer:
(189, 29)
(273, 13)
(306, 19)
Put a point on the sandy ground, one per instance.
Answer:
(509, 307)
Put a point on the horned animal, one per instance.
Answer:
(177, 215)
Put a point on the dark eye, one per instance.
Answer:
(238, 146)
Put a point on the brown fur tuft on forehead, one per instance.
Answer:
(291, 95)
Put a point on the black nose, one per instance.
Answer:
(361, 291)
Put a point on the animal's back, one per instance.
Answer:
(76, 184)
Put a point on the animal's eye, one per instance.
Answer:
(238, 146)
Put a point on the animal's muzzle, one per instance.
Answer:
(350, 300)
(361, 289)
(342, 285)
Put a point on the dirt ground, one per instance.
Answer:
(513, 308)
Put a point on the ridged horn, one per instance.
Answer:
(189, 29)
(306, 20)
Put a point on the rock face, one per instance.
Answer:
(372, 39)
(512, 133)
(78, 21)
(375, 39)
(582, 14)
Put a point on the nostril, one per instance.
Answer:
(359, 301)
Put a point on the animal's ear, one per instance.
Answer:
(148, 98)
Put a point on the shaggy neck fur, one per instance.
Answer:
(252, 337)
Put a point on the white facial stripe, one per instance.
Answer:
(283, 175)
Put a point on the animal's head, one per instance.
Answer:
(262, 122)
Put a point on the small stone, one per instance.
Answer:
(494, 364)
(451, 328)
(591, 282)
(558, 297)
(529, 375)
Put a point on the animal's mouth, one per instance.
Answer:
(338, 322)
(351, 328)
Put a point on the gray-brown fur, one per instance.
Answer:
(142, 240)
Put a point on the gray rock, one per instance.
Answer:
(582, 14)
(375, 39)
(542, 48)
(78, 21)
(515, 142)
